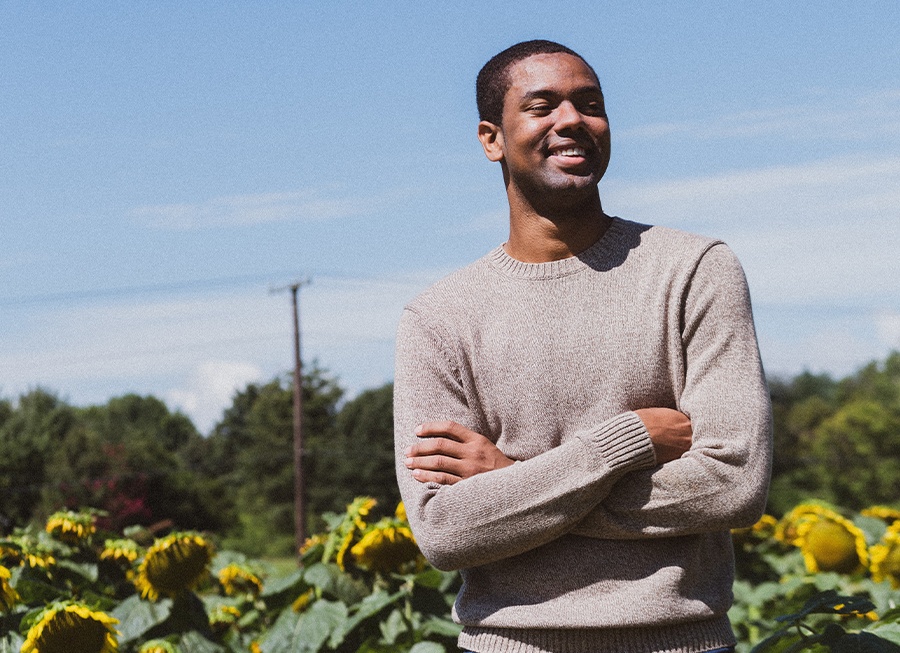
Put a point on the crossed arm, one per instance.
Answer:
(447, 452)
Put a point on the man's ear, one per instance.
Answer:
(491, 137)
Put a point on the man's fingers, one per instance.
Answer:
(434, 463)
(435, 446)
(444, 429)
(426, 476)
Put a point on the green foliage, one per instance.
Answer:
(28, 435)
(127, 458)
(322, 606)
(837, 440)
(251, 454)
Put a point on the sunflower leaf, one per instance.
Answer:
(196, 643)
(136, 617)
(863, 643)
(306, 633)
(427, 647)
(888, 631)
(368, 607)
(88, 571)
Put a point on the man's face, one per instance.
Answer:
(555, 134)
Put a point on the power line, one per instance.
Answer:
(182, 286)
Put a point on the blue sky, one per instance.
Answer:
(163, 165)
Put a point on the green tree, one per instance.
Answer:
(856, 451)
(28, 435)
(362, 460)
(836, 440)
(252, 449)
(129, 458)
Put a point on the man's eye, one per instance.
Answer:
(593, 109)
(540, 109)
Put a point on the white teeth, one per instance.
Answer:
(571, 151)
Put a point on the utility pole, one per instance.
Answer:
(299, 503)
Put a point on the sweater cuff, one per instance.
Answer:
(623, 443)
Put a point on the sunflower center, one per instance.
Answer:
(833, 547)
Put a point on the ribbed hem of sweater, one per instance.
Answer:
(691, 637)
(623, 443)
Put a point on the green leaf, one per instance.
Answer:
(769, 643)
(280, 584)
(889, 631)
(278, 639)
(136, 617)
(36, 592)
(11, 643)
(427, 647)
(864, 643)
(306, 633)
(88, 571)
(368, 607)
(393, 627)
(196, 643)
(335, 583)
(443, 627)
(891, 616)
(872, 527)
(432, 578)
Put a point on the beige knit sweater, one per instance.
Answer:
(586, 544)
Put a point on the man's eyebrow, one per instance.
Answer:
(549, 93)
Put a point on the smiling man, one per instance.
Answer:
(581, 415)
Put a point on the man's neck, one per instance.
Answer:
(540, 236)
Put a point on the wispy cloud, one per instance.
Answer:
(210, 388)
(818, 232)
(872, 116)
(194, 351)
(243, 210)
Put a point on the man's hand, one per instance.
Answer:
(670, 432)
(448, 452)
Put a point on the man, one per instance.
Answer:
(581, 415)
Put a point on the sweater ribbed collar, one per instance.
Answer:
(593, 257)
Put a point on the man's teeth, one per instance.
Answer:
(571, 151)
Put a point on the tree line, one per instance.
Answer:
(138, 462)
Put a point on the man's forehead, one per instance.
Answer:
(542, 72)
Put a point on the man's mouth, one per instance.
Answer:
(571, 151)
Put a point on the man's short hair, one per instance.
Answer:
(493, 80)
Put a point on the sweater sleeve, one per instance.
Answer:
(506, 512)
(722, 482)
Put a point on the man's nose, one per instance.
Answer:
(568, 116)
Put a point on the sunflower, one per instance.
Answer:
(786, 528)
(71, 527)
(360, 508)
(10, 554)
(830, 542)
(237, 579)
(341, 538)
(71, 628)
(173, 564)
(763, 529)
(302, 602)
(886, 513)
(8, 596)
(157, 646)
(885, 563)
(314, 541)
(223, 617)
(400, 512)
(24, 551)
(386, 547)
(122, 551)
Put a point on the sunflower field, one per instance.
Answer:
(817, 579)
